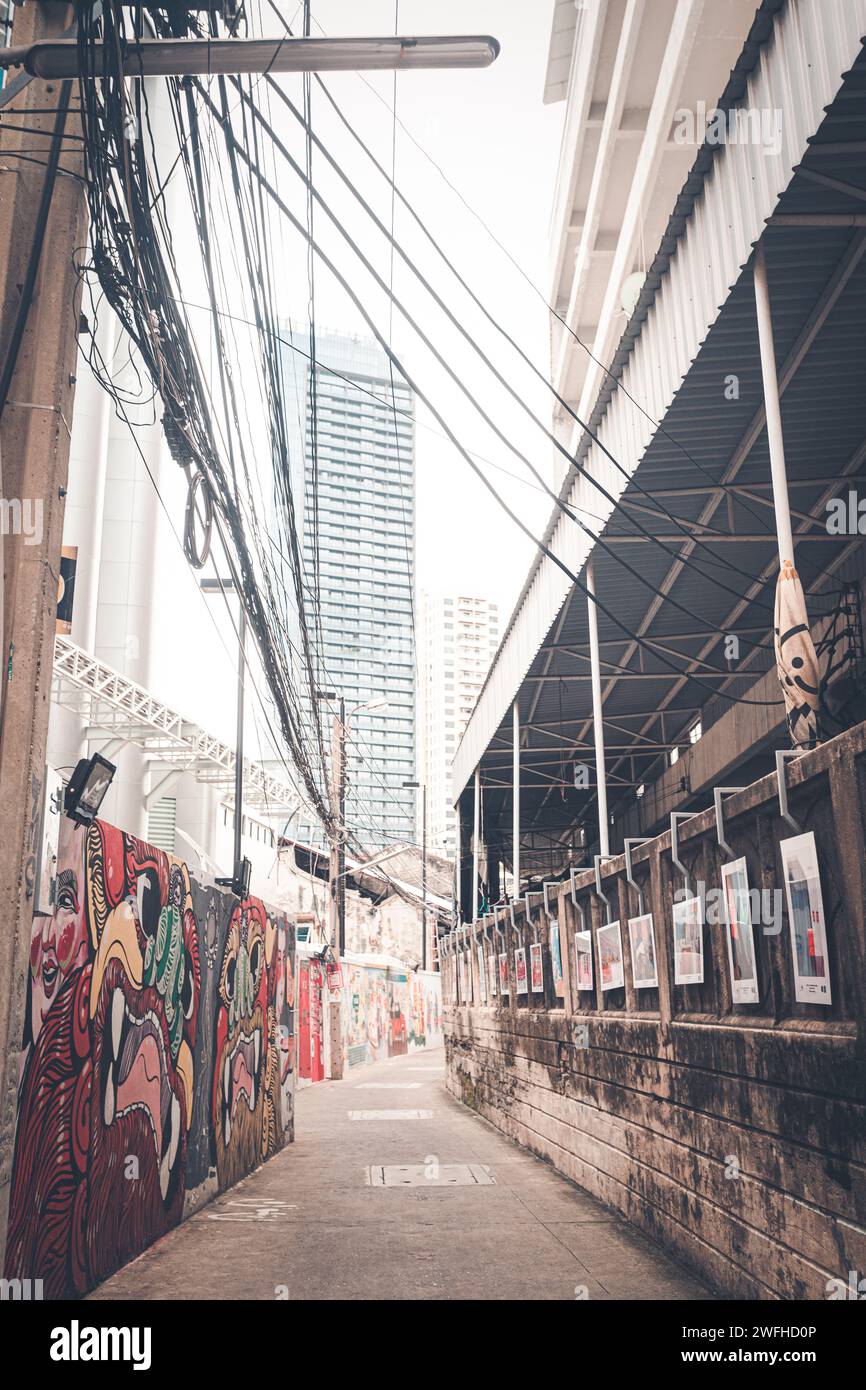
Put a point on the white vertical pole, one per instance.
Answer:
(515, 833)
(597, 713)
(773, 412)
(476, 842)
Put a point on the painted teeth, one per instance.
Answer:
(258, 1047)
(175, 1131)
(164, 1174)
(108, 1112)
(227, 1076)
(228, 1129)
(118, 1009)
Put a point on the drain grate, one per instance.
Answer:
(429, 1175)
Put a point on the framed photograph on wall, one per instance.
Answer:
(641, 935)
(503, 972)
(470, 985)
(520, 970)
(806, 920)
(491, 974)
(740, 933)
(611, 971)
(556, 961)
(688, 942)
(536, 968)
(482, 972)
(583, 958)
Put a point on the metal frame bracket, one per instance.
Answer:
(530, 920)
(634, 840)
(676, 818)
(718, 793)
(598, 889)
(578, 906)
(782, 756)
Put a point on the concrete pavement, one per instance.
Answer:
(392, 1190)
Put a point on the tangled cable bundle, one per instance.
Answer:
(133, 259)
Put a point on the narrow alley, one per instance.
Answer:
(472, 1216)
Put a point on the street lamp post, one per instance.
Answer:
(183, 57)
(423, 788)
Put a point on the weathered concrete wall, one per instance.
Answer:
(733, 1133)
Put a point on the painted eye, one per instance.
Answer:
(187, 993)
(256, 960)
(148, 903)
(231, 978)
(66, 900)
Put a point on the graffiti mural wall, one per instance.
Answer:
(389, 1011)
(157, 1057)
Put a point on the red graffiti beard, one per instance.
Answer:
(127, 1209)
(48, 1198)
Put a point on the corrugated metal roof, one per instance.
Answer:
(670, 369)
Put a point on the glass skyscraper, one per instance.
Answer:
(359, 538)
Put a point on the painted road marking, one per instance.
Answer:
(439, 1069)
(390, 1114)
(249, 1209)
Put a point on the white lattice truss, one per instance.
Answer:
(115, 708)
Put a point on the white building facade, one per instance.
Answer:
(458, 637)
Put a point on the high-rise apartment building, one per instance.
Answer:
(359, 561)
(458, 637)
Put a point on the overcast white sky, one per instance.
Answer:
(498, 144)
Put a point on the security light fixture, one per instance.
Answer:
(87, 787)
(239, 884)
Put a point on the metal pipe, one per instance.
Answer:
(476, 836)
(424, 876)
(597, 714)
(515, 850)
(775, 437)
(239, 739)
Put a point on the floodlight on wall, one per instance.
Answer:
(59, 58)
(239, 884)
(86, 789)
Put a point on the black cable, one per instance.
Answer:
(557, 443)
(343, 282)
(458, 380)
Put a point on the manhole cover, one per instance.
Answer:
(429, 1175)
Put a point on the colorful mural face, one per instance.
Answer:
(247, 1074)
(117, 1054)
(58, 945)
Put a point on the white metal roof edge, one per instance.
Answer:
(798, 72)
(563, 23)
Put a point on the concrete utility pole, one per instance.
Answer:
(337, 866)
(422, 787)
(41, 227)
